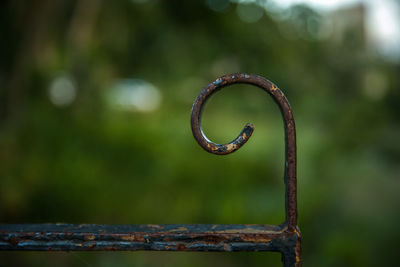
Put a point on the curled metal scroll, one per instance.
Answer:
(222, 149)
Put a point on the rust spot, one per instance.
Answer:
(230, 147)
(90, 237)
(157, 226)
(180, 229)
(246, 231)
(256, 239)
(128, 237)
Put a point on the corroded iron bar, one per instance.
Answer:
(139, 237)
(200, 237)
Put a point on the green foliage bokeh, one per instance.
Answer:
(89, 162)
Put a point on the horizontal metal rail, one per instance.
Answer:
(190, 237)
(284, 238)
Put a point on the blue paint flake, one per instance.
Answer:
(218, 81)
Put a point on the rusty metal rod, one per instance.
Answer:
(193, 237)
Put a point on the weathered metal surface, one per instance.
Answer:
(284, 238)
(141, 237)
(200, 237)
(290, 178)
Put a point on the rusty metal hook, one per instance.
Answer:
(222, 149)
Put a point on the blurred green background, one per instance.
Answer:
(95, 101)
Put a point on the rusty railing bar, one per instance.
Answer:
(192, 237)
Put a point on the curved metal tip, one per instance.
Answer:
(204, 142)
(223, 149)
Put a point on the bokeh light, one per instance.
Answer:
(62, 91)
(134, 94)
